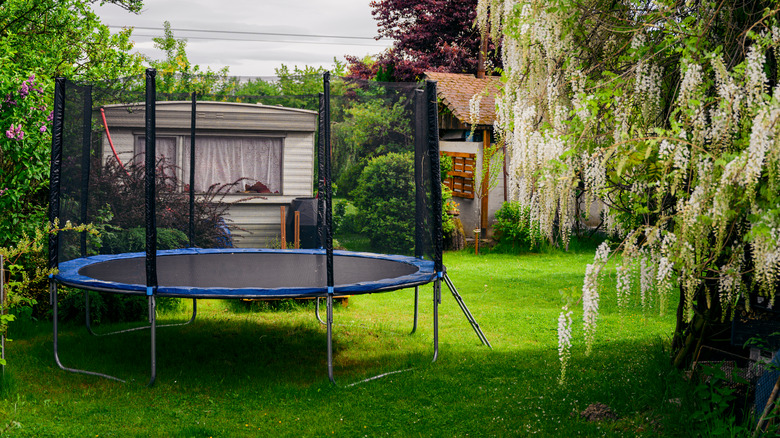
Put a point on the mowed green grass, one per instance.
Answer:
(241, 373)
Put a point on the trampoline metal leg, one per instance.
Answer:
(153, 326)
(317, 311)
(436, 302)
(53, 295)
(92, 332)
(330, 338)
(416, 312)
(466, 311)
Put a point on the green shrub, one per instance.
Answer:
(383, 198)
(134, 240)
(513, 227)
(110, 308)
(346, 219)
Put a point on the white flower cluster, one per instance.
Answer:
(580, 99)
(730, 279)
(625, 273)
(474, 107)
(590, 295)
(564, 340)
(704, 181)
(691, 81)
(761, 139)
(766, 252)
(647, 275)
(665, 149)
(756, 80)
(483, 7)
(725, 117)
(691, 100)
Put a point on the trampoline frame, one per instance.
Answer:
(425, 101)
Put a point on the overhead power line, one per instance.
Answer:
(211, 38)
(236, 32)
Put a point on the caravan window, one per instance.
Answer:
(254, 163)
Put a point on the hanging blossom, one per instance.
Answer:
(730, 279)
(761, 137)
(766, 252)
(564, 340)
(474, 106)
(691, 97)
(625, 274)
(590, 295)
(726, 115)
(756, 83)
(648, 271)
(665, 270)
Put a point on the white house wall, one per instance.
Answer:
(470, 208)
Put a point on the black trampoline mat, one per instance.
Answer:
(249, 270)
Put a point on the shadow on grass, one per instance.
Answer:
(230, 352)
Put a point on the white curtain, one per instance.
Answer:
(166, 147)
(225, 160)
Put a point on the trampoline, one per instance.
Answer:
(247, 273)
(218, 272)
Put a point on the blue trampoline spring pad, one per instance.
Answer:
(247, 273)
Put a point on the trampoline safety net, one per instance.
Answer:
(231, 168)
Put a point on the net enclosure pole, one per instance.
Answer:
(86, 140)
(193, 117)
(433, 153)
(193, 121)
(321, 173)
(420, 147)
(328, 219)
(55, 179)
(55, 170)
(150, 212)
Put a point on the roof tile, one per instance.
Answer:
(457, 89)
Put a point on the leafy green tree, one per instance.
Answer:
(364, 129)
(177, 75)
(296, 88)
(383, 197)
(38, 41)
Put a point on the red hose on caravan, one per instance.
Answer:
(111, 143)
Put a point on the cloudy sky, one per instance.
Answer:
(253, 37)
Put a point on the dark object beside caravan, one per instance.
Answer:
(307, 208)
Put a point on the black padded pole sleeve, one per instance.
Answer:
(321, 174)
(56, 168)
(86, 140)
(328, 184)
(149, 181)
(433, 151)
(420, 147)
(193, 117)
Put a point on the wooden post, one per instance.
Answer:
(483, 222)
(284, 228)
(297, 230)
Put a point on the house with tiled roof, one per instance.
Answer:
(467, 110)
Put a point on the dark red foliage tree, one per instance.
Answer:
(432, 35)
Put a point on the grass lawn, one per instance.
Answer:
(236, 372)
